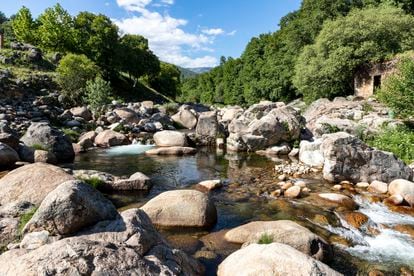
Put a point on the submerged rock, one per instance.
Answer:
(272, 259)
(172, 151)
(282, 231)
(341, 200)
(185, 208)
(31, 183)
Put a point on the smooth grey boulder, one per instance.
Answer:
(110, 138)
(72, 206)
(310, 153)
(207, 127)
(181, 208)
(170, 138)
(282, 231)
(136, 182)
(82, 112)
(272, 259)
(185, 118)
(31, 183)
(403, 188)
(178, 151)
(51, 139)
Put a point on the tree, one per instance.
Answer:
(397, 91)
(73, 73)
(56, 29)
(167, 81)
(98, 94)
(3, 17)
(24, 27)
(97, 37)
(326, 68)
(136, 58)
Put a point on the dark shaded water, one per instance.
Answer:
(241, 200)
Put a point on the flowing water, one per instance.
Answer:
(249, 179)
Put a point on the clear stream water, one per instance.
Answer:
(241, 200)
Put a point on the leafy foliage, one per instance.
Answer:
(99, 93)
(398, 89)
(398, 140)
(73, 73)
(326, 68)
(95, 182)
(24, 27)
(24, 219)
(265, 239)
(167, 81)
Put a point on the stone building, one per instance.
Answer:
(370, 77)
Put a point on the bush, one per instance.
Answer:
(74, 71)
(98, 94)
(72, 134)
(397, 91)
(398, 140)
(265, 239)
(24, 219)
(95, 182)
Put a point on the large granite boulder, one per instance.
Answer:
(310, 153)
(181, 208)
(403, 188)
(207, 127)
(348, 158)
(82, 112)
(31, 183)
(127, 115)
(282, 231)
(127, 246)
(170, 138)
(185, 118)
(264, 125)
(110, 138)
(272, 259)
(72, 206)
(87, 140)
(8, 156)
(51, 139)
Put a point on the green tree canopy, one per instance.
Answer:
(24, 27)
(97, 38)
(167, 81)
(326, 68)
(136, 58)
(56, 29)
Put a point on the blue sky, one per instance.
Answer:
(189, 33)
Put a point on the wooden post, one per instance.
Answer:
(1, 40)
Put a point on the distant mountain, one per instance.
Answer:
(192, 72)
(200, 70)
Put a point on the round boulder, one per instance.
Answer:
(169, 138)
(181, 208)
(282, 231)
(72, 206)
(31, 183)
(110, 138)
(404, 188)
(272, 259)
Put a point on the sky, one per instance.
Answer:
(188, 33)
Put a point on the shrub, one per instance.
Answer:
(73, 135)
(39, 147)
(24, 219)
(397, 91)
(95, 182)
(398, 140)
(74, 71)
(265, 239)
(98, 94)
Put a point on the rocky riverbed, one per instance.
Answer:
(204, 190)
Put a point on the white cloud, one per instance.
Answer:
(217, 31)
(232, 33)
(166, 36)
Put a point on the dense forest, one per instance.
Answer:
(314, 53)
(92, 53)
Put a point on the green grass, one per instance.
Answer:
(330, 128)
(39, 147)
(265, 239)
(399, 141)
(366, 107)
(73, 135)
(24, 219)
(95, 182)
